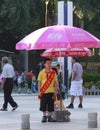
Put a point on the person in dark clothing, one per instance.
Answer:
(7, 84)
(28, 81)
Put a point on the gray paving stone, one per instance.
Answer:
(29, 104)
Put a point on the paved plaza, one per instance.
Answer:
(29, 104)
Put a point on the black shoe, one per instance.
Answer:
(3, 109)
(80, 106)
(44, 119)
(70, 106)
(50, 119)
(14, 108)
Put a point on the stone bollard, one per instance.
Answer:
(25, 125)
(92, 120)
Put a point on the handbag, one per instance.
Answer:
(57, 104)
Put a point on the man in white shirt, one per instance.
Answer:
(7, 84)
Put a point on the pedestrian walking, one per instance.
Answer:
(76, 83)
(47, 90)
(21, 80)
(28, 81)
(0, 78)
(7, 84)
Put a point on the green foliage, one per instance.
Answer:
(88, 84)
(88, 15)
(97, 84)
(20, 17)
(90, 79)
(17, 19)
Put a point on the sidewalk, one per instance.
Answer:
(29, 104)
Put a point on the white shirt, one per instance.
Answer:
(8, 71)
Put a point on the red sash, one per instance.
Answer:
(47, 83)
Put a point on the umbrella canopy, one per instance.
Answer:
(61, 52)
(58, 36)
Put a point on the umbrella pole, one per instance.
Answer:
(60, 86)
(60, 83)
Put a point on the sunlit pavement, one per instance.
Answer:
(29, 104)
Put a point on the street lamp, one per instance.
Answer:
(46, 12)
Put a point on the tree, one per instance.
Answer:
(18, 18)
(86, 15)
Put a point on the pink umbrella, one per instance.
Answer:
(58, 36)
(61, 52)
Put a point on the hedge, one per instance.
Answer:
(91, 77)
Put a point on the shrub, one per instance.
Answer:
(90, 78)
(97, 84)
(88, 84)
